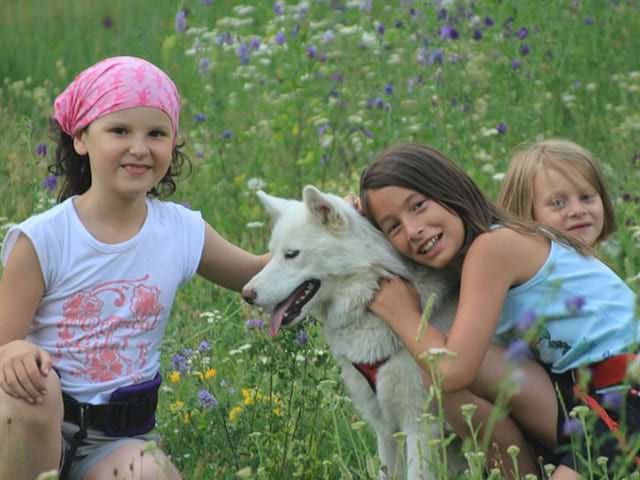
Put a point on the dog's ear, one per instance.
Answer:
(325, 209)
(273, 205)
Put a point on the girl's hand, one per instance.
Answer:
(395, 300)
(23, 368)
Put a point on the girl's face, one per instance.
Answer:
(572, 206)
(129, 151)
(417, 226)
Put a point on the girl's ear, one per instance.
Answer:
(79, 143)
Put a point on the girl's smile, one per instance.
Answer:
(417, 226)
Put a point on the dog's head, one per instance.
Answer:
(312, 240)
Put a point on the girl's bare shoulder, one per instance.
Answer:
(524, 253)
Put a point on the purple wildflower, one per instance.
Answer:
(226, 134)
(295, 30)
(243, 53)
(254, 43)
(612, 400)
(224, 38)
(302, 338)
(515, 64)
(322, 129)
(488, 21)
(502, 128)
(366, 5)
(442, 14)
(529, 317)
(524, 49)
(200, 153)
(436, 56)
(388, 88)
(379, 27)
(367, 133)
(254, 324)
(200, 117)
(523, 33)
(280, 38)
(575, 304)
(447, 32)
(328, 36)
(181, 21)
(42, 149)
(375, 102)
(204, 346)
(588, 21)
(50, 183)
(107, 22)
(179, 363)
(204, 65)
(312, 51)
(477, 34)
(572, 426)
(517, 351)
(278, 9)
(207, 400)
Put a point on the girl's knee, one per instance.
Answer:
(135, 460)
(38, 416)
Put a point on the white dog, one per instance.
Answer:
(326, 262)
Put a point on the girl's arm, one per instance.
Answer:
(21, 290)
(23, 365)
(495, 261)
(225, 264)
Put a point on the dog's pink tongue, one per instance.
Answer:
(276, 319)
(278, 314)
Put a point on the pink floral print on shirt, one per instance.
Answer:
(102, 329)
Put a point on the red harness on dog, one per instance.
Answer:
(370, 371)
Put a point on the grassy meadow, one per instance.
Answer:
(277, 95)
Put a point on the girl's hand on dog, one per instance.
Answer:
(395, 300)
(23, 368)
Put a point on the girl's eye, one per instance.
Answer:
(588, 197)
(418, 205)
(393, 229)
(558, 203)
(119, 130)
(158, 133)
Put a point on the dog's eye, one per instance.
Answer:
(289, 254)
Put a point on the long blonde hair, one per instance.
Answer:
(569, 158)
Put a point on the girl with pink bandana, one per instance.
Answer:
(88, 285)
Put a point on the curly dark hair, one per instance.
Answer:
(76, 174)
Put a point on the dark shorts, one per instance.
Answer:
(579, 450)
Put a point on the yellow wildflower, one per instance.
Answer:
(210, 373)
(248, 397)
(174, 377)
(176, 407)
(186, 418)
(277, 411)
(235, 411)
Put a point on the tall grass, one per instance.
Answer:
(308, 96)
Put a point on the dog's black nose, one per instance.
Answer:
(249, 295)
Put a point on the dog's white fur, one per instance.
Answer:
(325, 238)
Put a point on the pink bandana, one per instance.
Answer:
(115, 84)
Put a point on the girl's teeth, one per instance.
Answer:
(431, 244)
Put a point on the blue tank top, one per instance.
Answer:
(578, 311)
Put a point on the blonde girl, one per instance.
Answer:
(558, 183)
